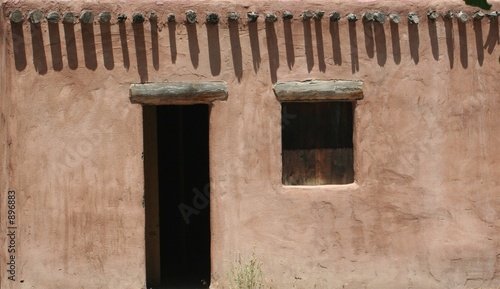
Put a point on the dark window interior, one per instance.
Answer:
(317, 143)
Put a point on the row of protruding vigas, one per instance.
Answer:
(87, 17)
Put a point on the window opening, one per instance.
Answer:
(317, 143)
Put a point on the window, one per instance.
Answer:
(317, 131)
(317, 143)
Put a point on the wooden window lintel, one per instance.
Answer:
(319, 90)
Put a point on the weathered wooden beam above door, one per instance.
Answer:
(178, 93)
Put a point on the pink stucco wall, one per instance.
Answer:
(423, 213)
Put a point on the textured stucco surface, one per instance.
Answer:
(3, 117)
(424, 211)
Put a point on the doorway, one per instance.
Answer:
(178, 235)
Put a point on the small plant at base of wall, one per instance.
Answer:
(246, 274)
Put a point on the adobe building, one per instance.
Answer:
(342, 144)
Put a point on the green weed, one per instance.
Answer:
(246, 274)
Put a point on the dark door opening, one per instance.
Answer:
(183, 211)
